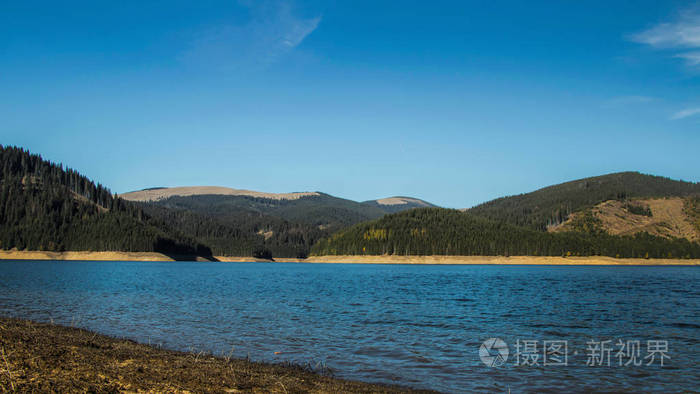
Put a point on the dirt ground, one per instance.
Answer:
(669, 218)
(36, 357)
(87, 256)
(495, 260)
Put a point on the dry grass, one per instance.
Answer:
(497, 260)
(91, 256)
(159, 194)
(668, 219)
(47, 358)
(401, 201)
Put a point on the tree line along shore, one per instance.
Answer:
(45, 207)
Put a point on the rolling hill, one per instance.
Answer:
(317, 208)
(398, 204)
(439, 231)
(46, 207)
(623, 214)
(551, 206)
(670, 217)
(243, 222)
(160, 193)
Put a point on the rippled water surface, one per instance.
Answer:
(419, 326)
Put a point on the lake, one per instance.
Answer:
(421, 326)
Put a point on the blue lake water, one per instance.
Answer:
(414, 325)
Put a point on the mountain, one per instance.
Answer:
(623, 214)
(292, 206)
(550, 206)
(46, 207)
(160, 193)
(263, 226)
(439, 231)
(241, 222)
(316, 209)
(398, 204)
(669, 217)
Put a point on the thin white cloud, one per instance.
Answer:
(272, 32)
(621, 101)
(681, 34)
(691, 58)
(686, 113)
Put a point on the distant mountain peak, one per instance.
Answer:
(155, 194)
(398, 204)
(402, 201)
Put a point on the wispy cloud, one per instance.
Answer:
(272, 32)
(682, 34)
(686, 113)
(691, 58)
(622, 101)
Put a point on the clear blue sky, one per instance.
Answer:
(453, 102)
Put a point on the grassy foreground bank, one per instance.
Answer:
(37, 357)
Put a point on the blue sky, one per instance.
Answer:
(453, 102)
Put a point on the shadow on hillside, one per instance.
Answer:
(190, 257)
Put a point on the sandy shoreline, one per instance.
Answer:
(83, 255)
(497, 260)
(466, 260)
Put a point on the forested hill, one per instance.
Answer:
(316, 208)
(246, 225)
(238, 222)
(437, 231)
(552, 205)
(398, 204)
(46, 207)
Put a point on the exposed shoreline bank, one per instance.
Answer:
(385, 259)
(498, 260)
(45, 357)
(83, 255)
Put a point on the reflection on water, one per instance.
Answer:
(413, 325)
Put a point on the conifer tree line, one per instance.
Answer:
(552, 205)
(439, 231)
(238, 232)
(46, 207)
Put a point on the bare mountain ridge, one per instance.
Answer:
(402, 201)
(236, 221)
(160, 193)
